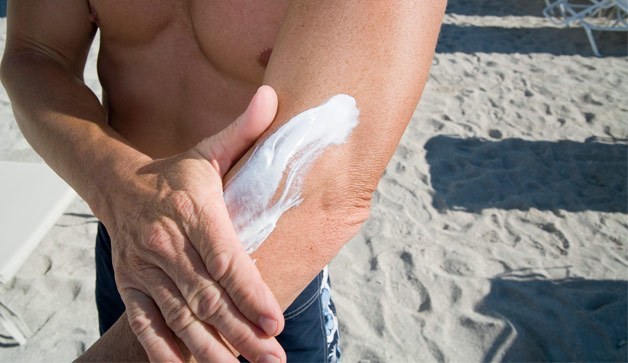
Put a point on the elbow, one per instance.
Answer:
(342, 195)
(5, 67)
(13, 59)
(353, 205)
(345, 209)
(15, 67)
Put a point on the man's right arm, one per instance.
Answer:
(158, 211)
(42, 70)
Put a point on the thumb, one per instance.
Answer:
(227, 147)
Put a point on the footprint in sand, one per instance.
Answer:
(407, 288)
(456, 267)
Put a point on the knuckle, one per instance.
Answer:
(219, 265)
(247, 296)
(139, 324)
(218, 312)
(242, 339)
(207, 303)
(145, 335)
(156, 239)
(177, 316)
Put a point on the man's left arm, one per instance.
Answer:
(380, 53)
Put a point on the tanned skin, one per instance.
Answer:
(152, 161)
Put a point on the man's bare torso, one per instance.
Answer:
(175, 72)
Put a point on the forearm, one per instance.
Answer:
(65, 123)
(376, 52)
(117, 344)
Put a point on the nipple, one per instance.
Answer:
(264, 56)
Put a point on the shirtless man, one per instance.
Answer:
(151, 159)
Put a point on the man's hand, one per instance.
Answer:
(178, 263)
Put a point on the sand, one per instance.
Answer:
(498, 232)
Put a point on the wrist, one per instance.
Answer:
(116, 180)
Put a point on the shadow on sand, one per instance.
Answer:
(488, 39)
(496, 7)
(556, 41)
(474, 174)
(570, 320)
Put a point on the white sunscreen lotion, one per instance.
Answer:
(270, 182)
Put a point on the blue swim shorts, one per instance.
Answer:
(311, 330)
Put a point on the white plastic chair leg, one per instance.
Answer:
(16, 327)
(592, 41)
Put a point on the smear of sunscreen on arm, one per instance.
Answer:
(271, 181)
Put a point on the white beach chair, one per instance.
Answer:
(599, 15)
(32, 198)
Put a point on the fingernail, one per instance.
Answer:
(269, 358)
(268, 324)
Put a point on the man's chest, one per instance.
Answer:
(235, 36)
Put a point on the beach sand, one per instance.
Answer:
(497, 233)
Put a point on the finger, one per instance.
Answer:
(180, 320)
(216, 241)
(251, 342)
(212, 306)
(149, 327)
(208, 301)
(229, 145)
(189, 266)
(246, 338)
